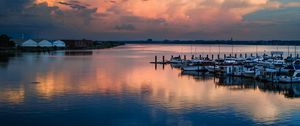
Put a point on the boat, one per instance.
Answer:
(293, 67)
(278, 63)
(176, 60)
(193, 73)
(295, 78)
(213, 68)
(194, 68)
(252, 72)
(230, 60)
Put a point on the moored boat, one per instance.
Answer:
(295, 78)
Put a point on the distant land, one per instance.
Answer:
(226, 42)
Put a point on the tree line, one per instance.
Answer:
(6, 42)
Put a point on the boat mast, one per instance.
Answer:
(231, 46)
(288, 50)
(256, 50)
(210, 49)
(191, 49)
(295, 51)
(219, 49)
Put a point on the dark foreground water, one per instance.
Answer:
(119, 87)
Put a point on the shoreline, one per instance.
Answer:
(50, 49)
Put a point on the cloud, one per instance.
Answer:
(169, 18)
(74, 4)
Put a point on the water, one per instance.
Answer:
(119, 87)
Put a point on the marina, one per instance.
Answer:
(274, 68)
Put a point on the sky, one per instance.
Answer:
(156, 19)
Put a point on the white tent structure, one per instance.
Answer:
(29, 43)
(45, 43)
(59, 44)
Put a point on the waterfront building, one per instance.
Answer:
(59, 44)
(79, 44)
(45, 43)
(29, 43)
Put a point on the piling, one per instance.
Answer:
(291, 79)
(272, 78)
(246, 55)
(235, 55)
(218, 56)
(155, 61)
(184, 57)
(212, 57)
(172, 56)
(193, 57)
(163, 59)
(241, 55)
(251, 55)
(214, 67)
(224, 56)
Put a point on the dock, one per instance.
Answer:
(274, 68)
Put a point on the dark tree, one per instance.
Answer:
(6, 42)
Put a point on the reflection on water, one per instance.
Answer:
(78, 53)
(119, 87)
(5, 58)
(12, 95)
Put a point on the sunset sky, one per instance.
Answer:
(157, 19)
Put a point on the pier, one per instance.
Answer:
(274, 68)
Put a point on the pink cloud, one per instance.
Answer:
(177, 16)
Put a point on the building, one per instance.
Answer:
(45, 43)
(79, 44)
(29, 43)
(59, 44)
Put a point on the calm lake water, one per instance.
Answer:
(120, 87)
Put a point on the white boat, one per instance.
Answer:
(176, 60)
(287, 69)
(294, 67)
(176, 65)
(260, 58)
(196, 60)
(291, 79)
(271, 70)
(251, 72)
(229, 69)
(213, 68)
(278, 63)
(194, 73)
(193, 68)
(230, 60)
